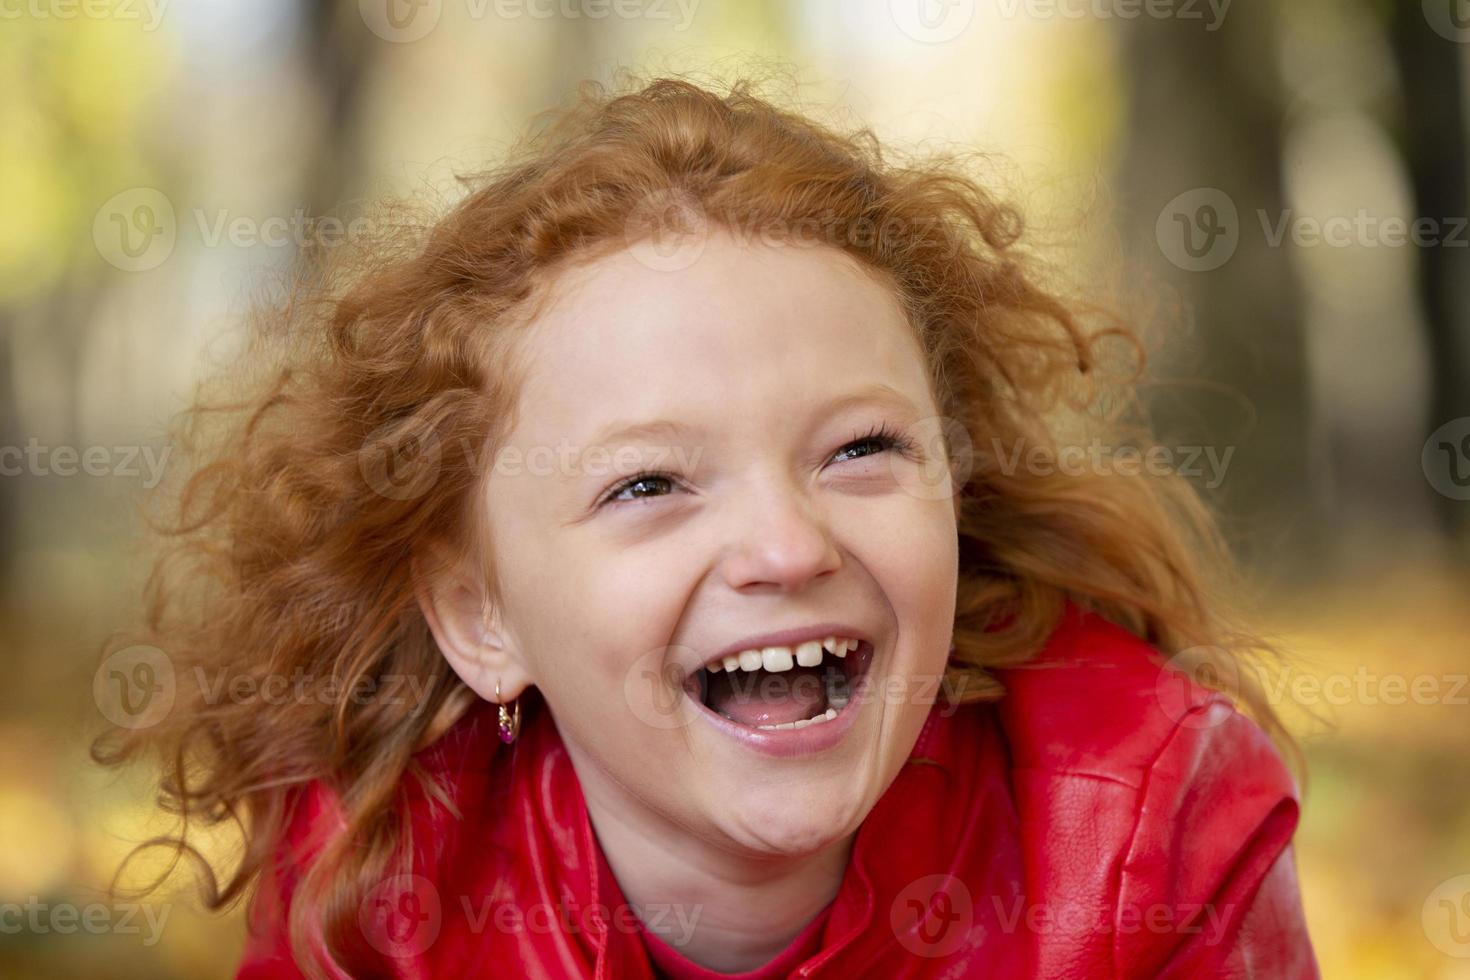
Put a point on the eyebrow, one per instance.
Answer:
(674, 431)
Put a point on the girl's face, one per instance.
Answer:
(744, 386)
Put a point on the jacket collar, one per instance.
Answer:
(948, 799)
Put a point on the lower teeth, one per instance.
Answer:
(828, 715)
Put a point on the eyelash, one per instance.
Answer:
(883, 436)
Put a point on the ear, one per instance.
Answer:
(470, 634)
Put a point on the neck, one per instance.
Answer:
(726, 911)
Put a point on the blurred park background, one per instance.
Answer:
(1276, 189)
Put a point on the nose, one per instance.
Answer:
(780, 541)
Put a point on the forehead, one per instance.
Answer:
(743, 323)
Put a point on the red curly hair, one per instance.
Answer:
(389, 372)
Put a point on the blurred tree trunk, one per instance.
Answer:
(1434, 146)
(339, 52)
(1205, 111)
(10, 435)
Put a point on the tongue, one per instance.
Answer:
(760, 698)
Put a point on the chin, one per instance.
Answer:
(791, 821)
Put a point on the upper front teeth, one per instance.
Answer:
(777, 659)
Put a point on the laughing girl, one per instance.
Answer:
(676, 561)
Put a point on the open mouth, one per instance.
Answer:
(784, 688)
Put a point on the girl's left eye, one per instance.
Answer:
(638, 481)
(880, 439)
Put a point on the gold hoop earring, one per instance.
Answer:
(510, 724)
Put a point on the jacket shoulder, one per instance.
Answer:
(1098, 700)
(1147, 794)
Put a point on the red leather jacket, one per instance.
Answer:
(1101, 820)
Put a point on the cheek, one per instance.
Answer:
(601, 693)
(597, 647)
(913, 553)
